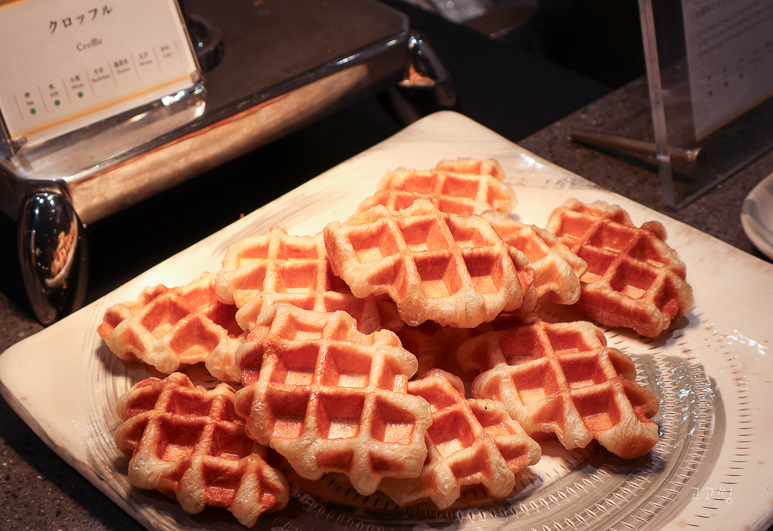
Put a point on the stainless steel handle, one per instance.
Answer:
(427, 86)
(53, 255)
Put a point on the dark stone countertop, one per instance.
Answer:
(626, 112)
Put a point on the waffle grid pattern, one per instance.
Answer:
(470, 442)
(634, 279)
(261, 271)
(557, 270)
(167, 327)
(331, 399)
(463, 185)
(562, 378)
(451, 269)
(188, 441)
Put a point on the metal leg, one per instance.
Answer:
(427, 87)
(53, 255)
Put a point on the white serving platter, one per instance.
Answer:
(757, 216)
(712, 371)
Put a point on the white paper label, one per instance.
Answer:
(66, 64)
(729, 57)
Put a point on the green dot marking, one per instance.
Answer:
(32, 111)
(56, 102)
(726, 83)
(711, 93)
(80, 94)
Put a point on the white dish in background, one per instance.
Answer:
(757, 216)
(711, 468)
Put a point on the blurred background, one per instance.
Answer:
(599, 39)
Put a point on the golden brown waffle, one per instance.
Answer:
(470, 442)
(452, 269)
(561, 378)
(188, 442)
(557, 270)
(331, 399)
(466, 165)
(634, 279)
(464, 185)
(167, 327)
(433, 345)
(261, 271)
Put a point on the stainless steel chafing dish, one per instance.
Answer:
(269, 67)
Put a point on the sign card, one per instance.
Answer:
(67, 64)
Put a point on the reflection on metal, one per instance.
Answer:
(71, 157)
(168, 164)
(207, 40)
(53, 256)
(427, 86)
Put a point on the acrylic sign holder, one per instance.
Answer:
(710, 77)
(710, 74)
